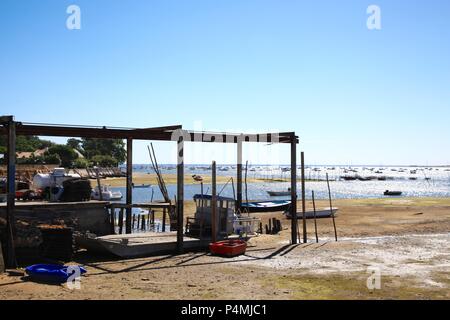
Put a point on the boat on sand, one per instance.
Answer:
(266, 206)
(322, 213)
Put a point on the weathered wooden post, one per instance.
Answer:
(2, 263)
(121, 220)
(180, 192)
(305, 234)
(164, 220)
(315, 218)
(10, 259)
(239, 174)
(129, 199)
(214, 204)
(294, 225)
(112, 218)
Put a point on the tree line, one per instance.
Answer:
(95, 152)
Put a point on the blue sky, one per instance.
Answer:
(353, 95)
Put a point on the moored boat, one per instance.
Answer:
(141, 186)
(392, 193)
(279, 193)
(322, 213)
(107, 194)
(266, 206)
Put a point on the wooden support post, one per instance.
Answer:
(305, 234)
(10, 259)
(315, 218)
(164, 220)
(112, 219)
(294, 224)
(2, 261)
(214, 204)
(180, 193)
(239, 175)
(121, 221)
(129, 199)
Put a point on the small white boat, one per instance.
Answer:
(141, 186)
(107, 194)
(321, 213)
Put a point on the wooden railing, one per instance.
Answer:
(117, 212)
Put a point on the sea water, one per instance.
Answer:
(428, 182)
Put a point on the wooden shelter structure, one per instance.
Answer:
(11, 128)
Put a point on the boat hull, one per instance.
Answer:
(266, 206)
(323, 213)
(279, 193)
(393, 193)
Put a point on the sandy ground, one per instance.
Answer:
(406, 240)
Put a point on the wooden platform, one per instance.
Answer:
(140, 244)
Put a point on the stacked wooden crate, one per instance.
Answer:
(57, 242)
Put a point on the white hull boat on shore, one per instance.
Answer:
(322, 213)
(107, 194)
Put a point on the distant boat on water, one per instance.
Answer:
(141, 186)
(349, 178)
(279, 193)
(392, 193)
